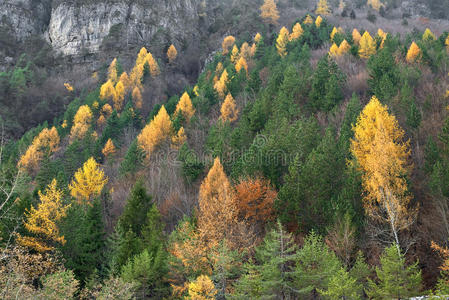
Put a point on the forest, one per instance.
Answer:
(308, 161)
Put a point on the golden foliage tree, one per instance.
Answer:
(356, 36)
(322, 8)
(336, 30)
(227, 43)
(154, 67)
(221, 86)
(258, 38)
(375, 4)
(383, 35)
(81, 123)
(136, 75)
(444, 253)
(185, 107)
(179, 139)
(234, 54)
(383, 157)
(101, 121)
(202, 289)
(413, 53)
(245, 51)
(107, 109)
(255, 199)
(217, 211)
(112, 71)
(344, 48)
(318, 21)
(137, 98)
(367, 46)
(447, 43)
(282, 41)
(88, 182)
(196, 91)
(253, 49)
(45, 143)
(308, 20)
(297, 32)
(68, 87)
(428, 35)
(119, 96)
(333, 51)
(124, 79)
(107, 90)
(269, 12)
(108, 149)
(156, 132)
(241, 64)
(172, 53)
(141, 57)
(229, 110)
(42, 221)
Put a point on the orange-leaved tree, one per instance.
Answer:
(356, 36)
(229, 110)
(107, 90)
(156, 132)
(367, 46)
(282, 41)
(137, 98)
(382, 156)
(112, 71)
(119, 96)
(269, 12)
(414, 53)
(172, 53)
(154, 67)
(42, 222)
(124, 78)
(344, 48)
(88, 182)
(81, 123)
(234, 54)
(241, 64)
(202, 289)
(185, 107)
(179, 139)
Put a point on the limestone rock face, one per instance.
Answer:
(84, 26)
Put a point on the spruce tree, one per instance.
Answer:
(395, 280)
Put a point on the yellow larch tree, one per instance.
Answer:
(375, 4)
(413, 53)
(155, 133)
(428, 35)
(234, 54)
(141, 57)
(282, 41)
(185, 107)
(217, 210)
(253, 49)
(308, 20)
(107, 90)
(112, 71)
(229, 110)
(318, 21)
(258, 38)
(367, 46)
(221, 86)
(81, 123)
(336, 30)
(136, 75)
(356, 36)
(382, 156)
(42, 221)
(154, 67)
(341, 6)
(68, 87)
(106, 109)
(269, 12)
(119, 96)
(88, 182)
(45, 143)
(101, 121)
(172, 53)
(322, 8)
(196, 91)
(383, 35)
(124, 78)
(333, 51)
(227, 43)
(137, 98)
(297, 32)
(219, 69)
(179, 139)
(202, 289)
(344, 48)
(241, 64)
(109, 148)
(245, 51)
